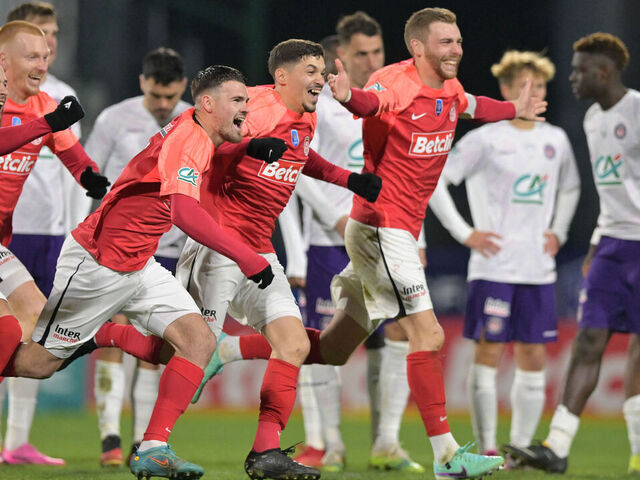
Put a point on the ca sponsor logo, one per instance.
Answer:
(17, 165)
(430, 144)
(282, 171)
(377, 87)
(496, 307)
(189, 175)
(66, 335)
(356, 156)
(530, 188)
(607, 170)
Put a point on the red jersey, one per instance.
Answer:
(123, 233)
(247, 195)
(406, 143)
(16, 166)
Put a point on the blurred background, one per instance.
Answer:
(102, 43)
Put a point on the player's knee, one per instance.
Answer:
(589, 344)
(294, 350)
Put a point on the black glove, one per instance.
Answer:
(263, 278)
(68, 112)
(268, 149)
(367, 185)
(95, 184)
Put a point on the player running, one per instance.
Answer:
(106, 265)
(519, 225)
(248, 195)
(411, 111)
(611, 288)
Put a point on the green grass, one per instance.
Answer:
(219, 441)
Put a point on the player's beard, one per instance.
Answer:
(437, 65)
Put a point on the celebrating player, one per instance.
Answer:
(534, 180)
(611, 288)
(120, 132)
(106, 265)
(412, 108)
(248, 196)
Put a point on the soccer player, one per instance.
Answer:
(120, 132)
(339, 138)
(611, 288)
(40, 223)
(519, 225)
(411, 110)
(248, 196)
(107, 265)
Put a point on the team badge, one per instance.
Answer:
(495, 325)
(439, 106)
(620, 131)
(452, 112)
(549, 151)
(189, 175)
(307, 142)
(15, 121)
(37, 141)
(295, 140)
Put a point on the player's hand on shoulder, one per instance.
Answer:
(268, 149)
(94, 183)
(367, 185)
(529, 107)
(263, 278)
(68, 112)
(484, 242)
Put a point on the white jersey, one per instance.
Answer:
(52, 202)
(614, 147)
(121, 131)
(513, 177)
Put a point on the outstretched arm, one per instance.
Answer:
(485, 109)
(357, 101)
(12, 138)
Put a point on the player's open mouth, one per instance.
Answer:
(35, 78)
(238, 121)
(314, 92)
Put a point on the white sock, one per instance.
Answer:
(147, 444)
(631, 410)
(444, 447)
(527, 403)
(229, 349)
(483, 398)
(326, 387)
(108, 389)
(145, 394)
(23, 397)
(310, 412)
(374, 363)
(564, 426)
(394, 392)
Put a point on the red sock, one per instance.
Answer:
(127, 338)
(256, 346)
(424, 373)
(10, 335)
(178, 383)
(277, 396)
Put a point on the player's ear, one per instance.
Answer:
(208, 103)
(280, 76)
(417, 47)
(3, 61)
(142, 83)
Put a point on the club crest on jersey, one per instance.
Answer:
(307, 142)
(549, 151)
(439, 106)
(620, 131)
(15, 121)
(452, 112)
(295, 139)
(188, 175)
(37, 141)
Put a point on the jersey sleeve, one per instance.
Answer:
(183, 158)
(264, 113)
(464, 156)
(569, 175)
(101, 141)
(391, 90)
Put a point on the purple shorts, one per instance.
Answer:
(322, 264)
(168, 263)
(509, 312)
(610, 295)
(39, 254)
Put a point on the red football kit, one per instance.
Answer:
(247, 195)
(16, 166)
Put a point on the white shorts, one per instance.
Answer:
(384, 279)
(219, 287)
(12, 272)
(86, 294)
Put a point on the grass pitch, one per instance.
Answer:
(219, 441)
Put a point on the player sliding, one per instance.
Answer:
(411, 111)
(106, 265)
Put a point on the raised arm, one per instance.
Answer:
(485, 109)
(357, 101)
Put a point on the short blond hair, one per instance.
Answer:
(10, 29)
(419, 22)
(605, 44)
(514, 61)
